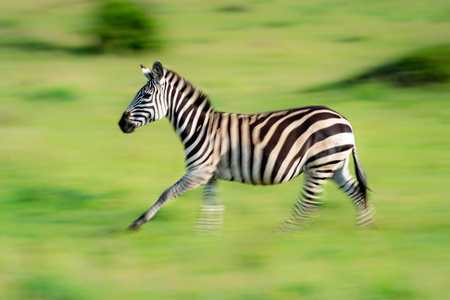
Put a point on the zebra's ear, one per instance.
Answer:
(147, 73)
(158, 70)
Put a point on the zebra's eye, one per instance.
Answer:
(147, 95)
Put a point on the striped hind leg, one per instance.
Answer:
(308, 202)
(365, 212)
(209, 221)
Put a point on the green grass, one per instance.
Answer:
(71, 181)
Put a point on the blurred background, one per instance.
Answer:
(71, 181)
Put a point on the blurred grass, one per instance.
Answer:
(70, 181)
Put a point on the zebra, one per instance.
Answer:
(260, 149)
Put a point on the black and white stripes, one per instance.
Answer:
(260, 149)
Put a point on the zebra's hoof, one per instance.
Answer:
(291, 227)
(135, 226)
(367, 225)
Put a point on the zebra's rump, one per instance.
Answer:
(275, 147)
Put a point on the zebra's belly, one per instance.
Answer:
(254, 172)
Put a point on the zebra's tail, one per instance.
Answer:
(360, 174)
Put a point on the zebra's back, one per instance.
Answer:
(272, 148)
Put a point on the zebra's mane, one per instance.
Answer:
(201, 99)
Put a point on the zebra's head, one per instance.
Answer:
(149, 104)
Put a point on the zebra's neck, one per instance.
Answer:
(189, 110)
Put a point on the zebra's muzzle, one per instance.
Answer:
(125, 124)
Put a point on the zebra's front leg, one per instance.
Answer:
(209, 221)
(189, 181)
(308, 203)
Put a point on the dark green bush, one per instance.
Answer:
(423, 67)
(123, 25)
(427, 66)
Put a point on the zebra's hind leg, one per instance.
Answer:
(365, 212)
(308, 202)
(210, 218)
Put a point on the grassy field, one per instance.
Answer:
(71, 181)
